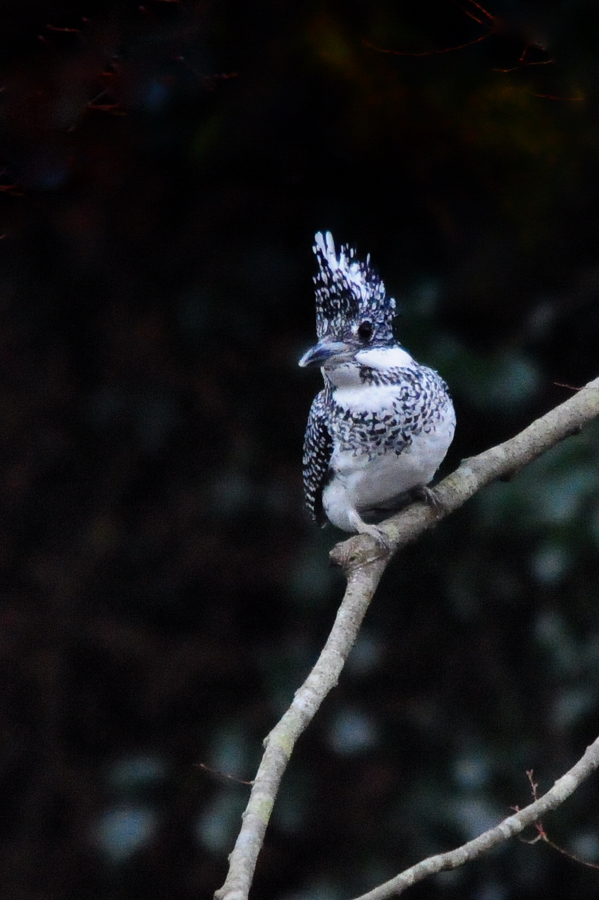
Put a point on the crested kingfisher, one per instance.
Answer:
(383, 423)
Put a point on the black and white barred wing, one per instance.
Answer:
(318, 447)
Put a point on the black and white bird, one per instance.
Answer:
(383, 423)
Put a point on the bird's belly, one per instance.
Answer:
(370, 482)
(364, 482)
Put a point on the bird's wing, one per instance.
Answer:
(318, 447)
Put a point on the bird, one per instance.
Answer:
(382, 425)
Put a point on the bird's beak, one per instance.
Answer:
(327, 352)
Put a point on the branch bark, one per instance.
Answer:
(364, 562)
(561, 790)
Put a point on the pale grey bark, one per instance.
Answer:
(514, 824)
(364, 562)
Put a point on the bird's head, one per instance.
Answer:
(353, 313)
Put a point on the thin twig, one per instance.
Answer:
(561, 790)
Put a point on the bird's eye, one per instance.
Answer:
(365, 331)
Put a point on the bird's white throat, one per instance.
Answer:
(384, 358)
(347, 375)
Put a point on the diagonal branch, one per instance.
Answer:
(505, 459)
(362, 583)
(561, 790)
(364, 564)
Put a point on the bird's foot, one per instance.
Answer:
(375, 532)
(430, 497)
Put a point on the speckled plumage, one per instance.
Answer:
(318, 447)
(348, 290)
(383, 423)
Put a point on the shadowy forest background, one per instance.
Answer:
(163, 170)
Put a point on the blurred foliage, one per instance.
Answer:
(164, 169)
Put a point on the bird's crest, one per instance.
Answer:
(348, 290)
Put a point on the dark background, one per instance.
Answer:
(164, 169)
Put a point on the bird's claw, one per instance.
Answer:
(430, 497)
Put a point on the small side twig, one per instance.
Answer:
(543, 836)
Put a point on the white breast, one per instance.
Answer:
(364, 484)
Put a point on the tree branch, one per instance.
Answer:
(364, 562)
(561, 790)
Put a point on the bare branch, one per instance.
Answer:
(561, 790)
(362, 583)
(364, 563)
(505, 459)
